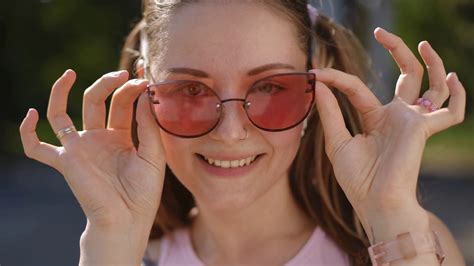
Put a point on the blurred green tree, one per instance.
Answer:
(40, 39)
(448, 26)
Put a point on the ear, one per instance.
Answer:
(140, 68)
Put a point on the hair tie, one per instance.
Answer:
(313, 13)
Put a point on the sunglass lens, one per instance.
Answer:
(280, 101)
(185, 108)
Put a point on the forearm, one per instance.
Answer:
(385, 226)
(113, 246)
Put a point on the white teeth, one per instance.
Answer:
(234, 164)
(248, 160)
(225, 164)
(231, 164)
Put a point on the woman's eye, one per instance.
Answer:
(269, 88)
(192, 89)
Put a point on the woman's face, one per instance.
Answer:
(227, 41)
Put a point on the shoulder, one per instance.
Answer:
(448, 243)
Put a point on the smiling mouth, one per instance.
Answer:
(229, 164)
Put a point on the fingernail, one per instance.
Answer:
(456, 76)
(316, 71)
(137, 81)
(117, 73)
(65, 72)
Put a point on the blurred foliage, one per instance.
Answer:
(451, 150)
(448, 26)
(40, 39)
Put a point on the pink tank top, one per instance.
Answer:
(318, 250)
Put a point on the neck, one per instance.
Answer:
(274, 218)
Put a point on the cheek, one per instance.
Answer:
(177, 153)
(284, 148)
(181, 160)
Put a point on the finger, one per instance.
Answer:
(358, 94)
(438, 91)
(150, 147)
(93, 107)
(121, 108)
(57, 105)
(409, 82)
(34, 149)
(454, 113)
(335, 131)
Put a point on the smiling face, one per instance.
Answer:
(228, 47)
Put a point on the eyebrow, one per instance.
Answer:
(253, 72)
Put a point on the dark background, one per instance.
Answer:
(41, 222)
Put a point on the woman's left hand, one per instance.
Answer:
(378, 169)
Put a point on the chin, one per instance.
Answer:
(226, 201)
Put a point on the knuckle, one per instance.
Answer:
(28, 152)
(356, 82)
(397, 40)
(22, 129)
(106, 77)
(412, 68)
(55, 118)
(437, 60)
(88, 94)
(444, 93)
(51, 117)
(460, 118)
(417, 69)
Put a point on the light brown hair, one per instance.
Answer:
(312, 179)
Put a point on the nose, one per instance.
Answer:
(233, 124)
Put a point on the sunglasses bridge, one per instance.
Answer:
(246, 104)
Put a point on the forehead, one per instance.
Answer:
(230, 38)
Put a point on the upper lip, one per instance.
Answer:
(227, 157)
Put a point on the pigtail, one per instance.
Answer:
(321, 196)
(338, 48)
(131, 50)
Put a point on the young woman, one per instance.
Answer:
(257, 143)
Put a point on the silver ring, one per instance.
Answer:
(246, 134)
(63, 132)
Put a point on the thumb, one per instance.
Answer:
(335, 131)
(150, 147)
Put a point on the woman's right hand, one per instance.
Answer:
(116, 185)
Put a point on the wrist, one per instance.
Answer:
(386, 226)
(113, 245)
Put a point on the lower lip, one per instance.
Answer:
(228, 172)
